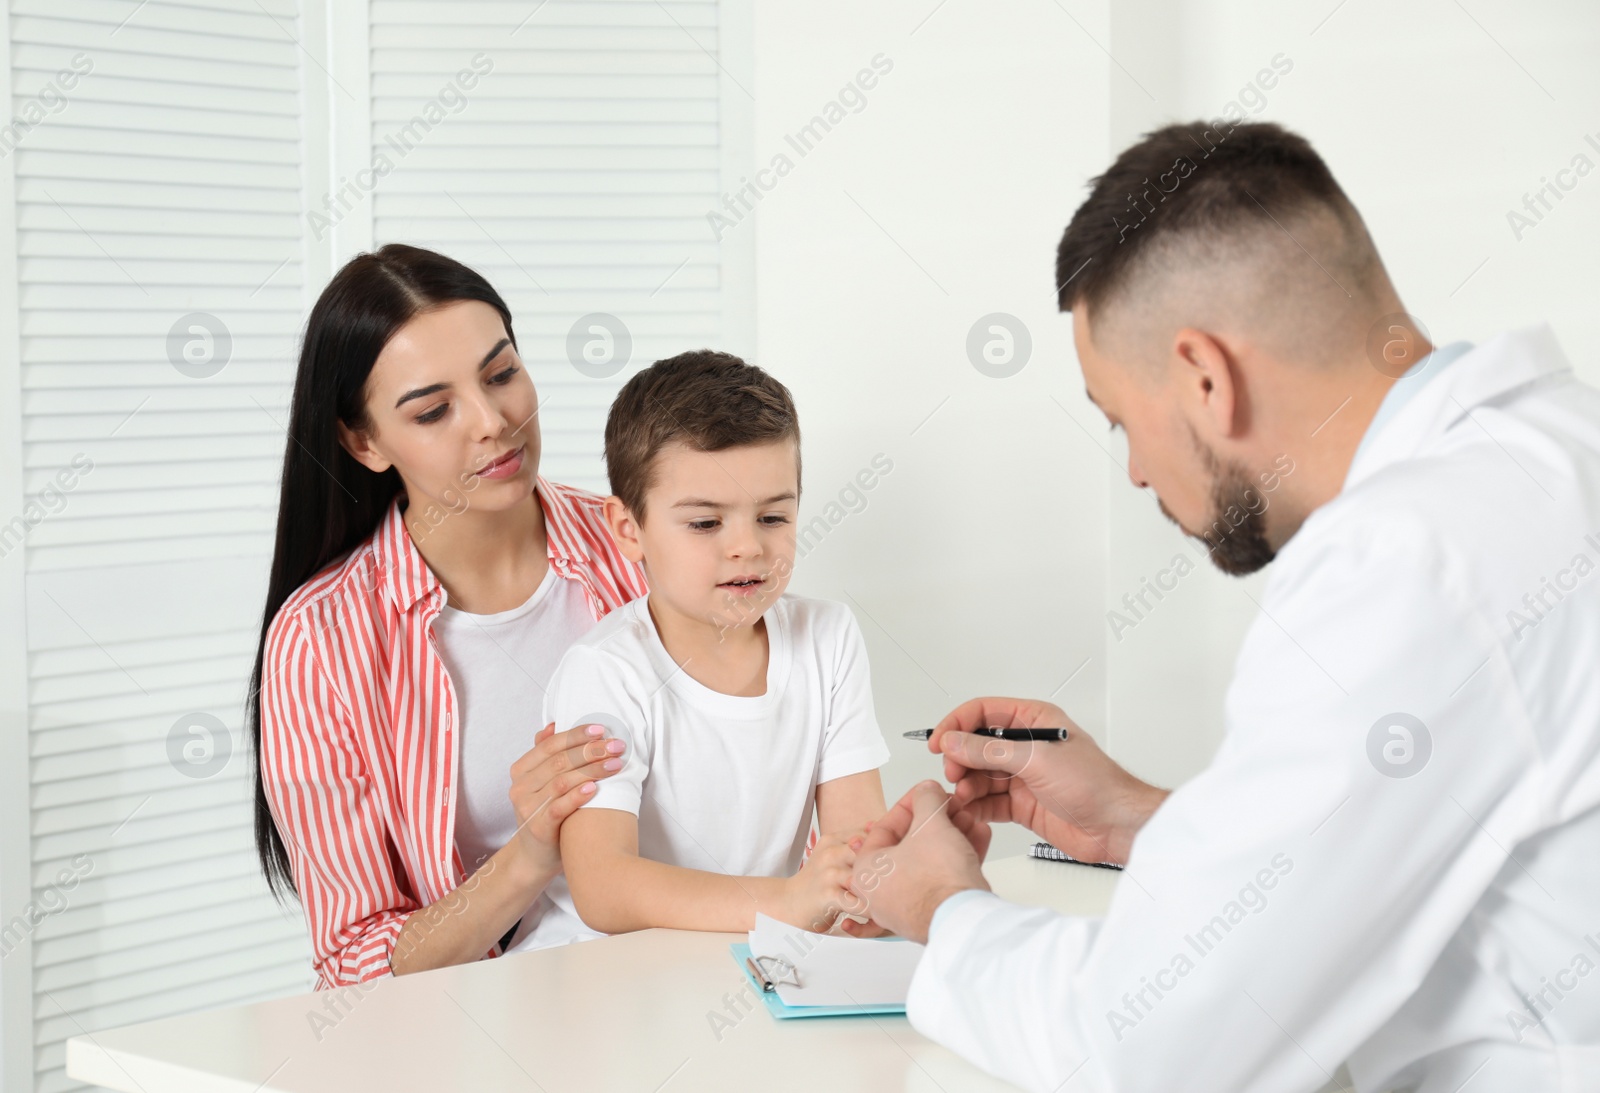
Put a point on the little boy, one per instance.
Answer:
(742, 707)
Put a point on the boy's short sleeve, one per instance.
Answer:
(852, 741)
(590, 687)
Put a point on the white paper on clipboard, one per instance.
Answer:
(838, 971)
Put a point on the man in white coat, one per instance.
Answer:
(1394, 858)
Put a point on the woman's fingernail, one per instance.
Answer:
(587, 787)
(596, 730)
(612, 764)
(615, 746)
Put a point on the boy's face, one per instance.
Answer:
(718, 536)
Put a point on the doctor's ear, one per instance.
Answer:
(624, 528)
(1208, 381)
(359, 444)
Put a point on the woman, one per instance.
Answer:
(424, 584)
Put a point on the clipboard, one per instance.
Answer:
(775, 1005)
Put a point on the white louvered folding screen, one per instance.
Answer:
(172, 231)
(576, 173)
(167, 184)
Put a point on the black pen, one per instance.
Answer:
(999, 734)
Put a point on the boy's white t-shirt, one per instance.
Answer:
(719, 782)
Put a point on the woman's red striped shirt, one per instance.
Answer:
(358, 730)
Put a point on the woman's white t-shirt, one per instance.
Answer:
(719, 782)
(500, 666)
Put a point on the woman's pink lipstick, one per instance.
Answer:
(504, 467)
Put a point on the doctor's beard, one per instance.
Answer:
(1237, 536)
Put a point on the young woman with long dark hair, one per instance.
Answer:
(425, 581)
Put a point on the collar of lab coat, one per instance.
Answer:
(1488, 372)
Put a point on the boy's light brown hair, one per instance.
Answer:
(707, 400)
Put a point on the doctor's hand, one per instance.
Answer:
(1069, 793)
(918, 855)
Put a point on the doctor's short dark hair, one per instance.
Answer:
(707, 400)
(1201, 184)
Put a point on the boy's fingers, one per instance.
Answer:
(824, 843)
(835, 857)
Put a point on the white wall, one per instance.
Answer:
(977, 565)
(972, 154)
(1436, 117)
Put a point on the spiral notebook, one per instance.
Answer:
(1050, 853)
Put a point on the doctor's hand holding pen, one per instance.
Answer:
(931, 844)
(1068, 792)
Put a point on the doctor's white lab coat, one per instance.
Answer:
(1394, 858)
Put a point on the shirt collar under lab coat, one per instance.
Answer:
(1476, 376)
(1416, 377)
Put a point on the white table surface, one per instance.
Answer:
(626, 1013)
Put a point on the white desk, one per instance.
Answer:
(627, 1013)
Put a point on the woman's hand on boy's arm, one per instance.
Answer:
(551, 782)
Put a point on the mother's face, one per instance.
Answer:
(451, 407)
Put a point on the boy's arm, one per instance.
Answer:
(849, 790)
(847, 804)
(615, 890)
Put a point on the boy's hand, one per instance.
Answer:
(815, 897)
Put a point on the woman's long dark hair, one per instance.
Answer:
(329, 504)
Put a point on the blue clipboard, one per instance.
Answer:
(775, 1006)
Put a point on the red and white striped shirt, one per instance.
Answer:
(358, 730)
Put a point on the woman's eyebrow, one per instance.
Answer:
(420, 392)
(493, 353)
(434, 388)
